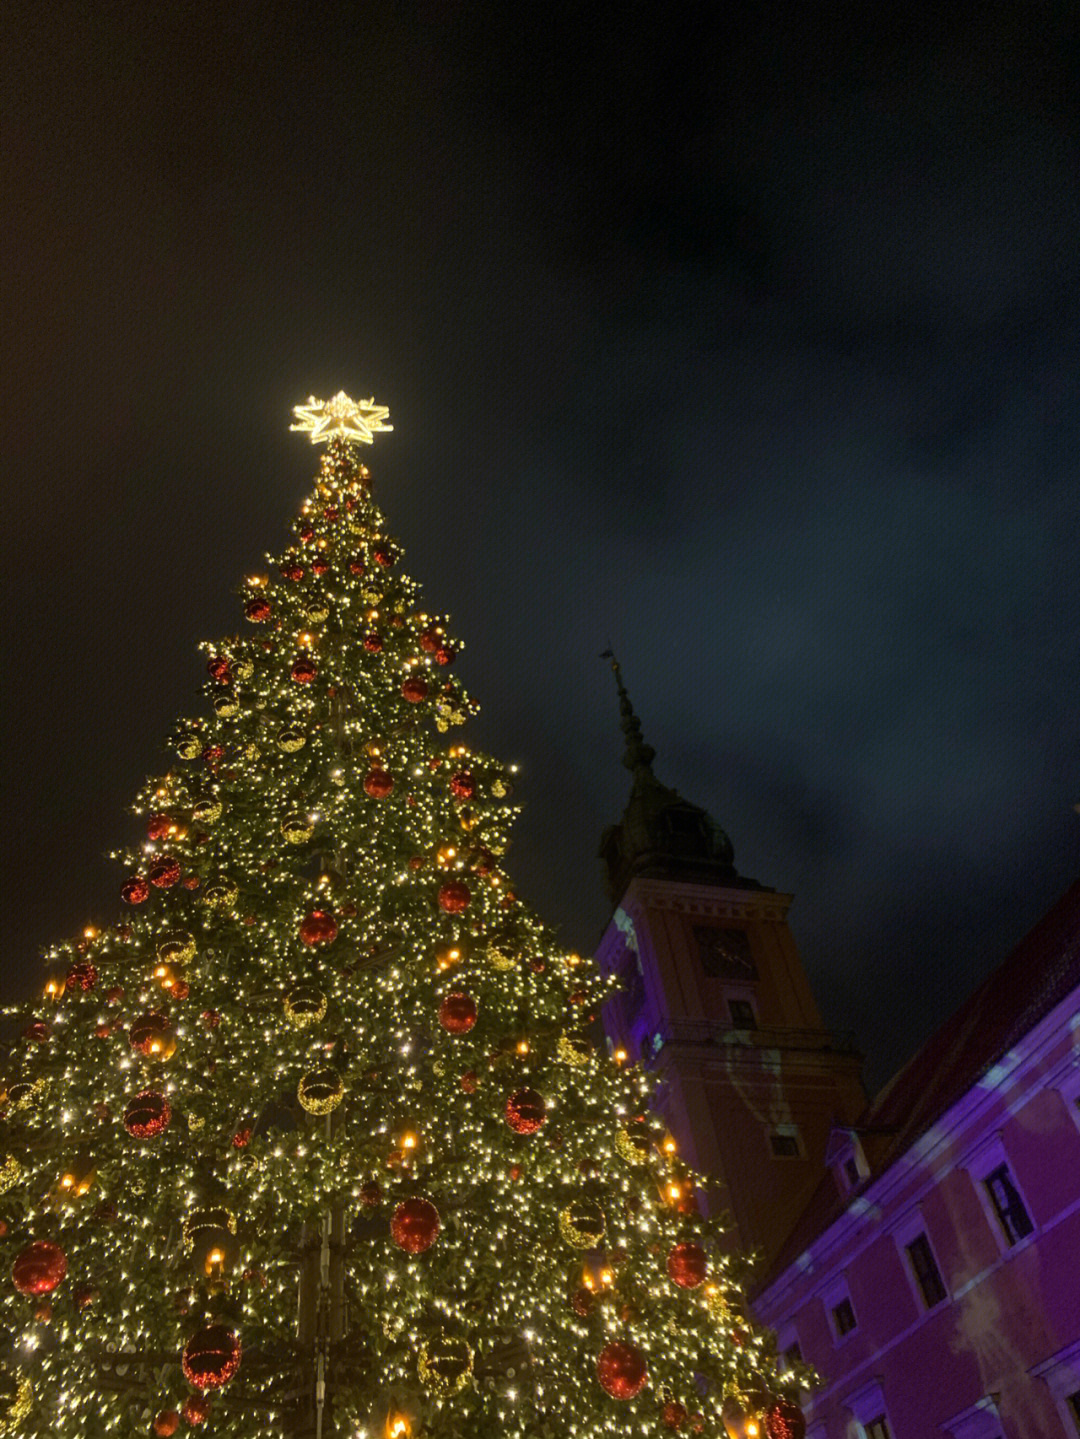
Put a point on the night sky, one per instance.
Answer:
(749, 345)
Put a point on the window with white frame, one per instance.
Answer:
(784, 1141)
(1001, 1194)
(913, 1241)
(867, 1408)
(1008, 1204)
(981, 1421)
(1061, 1375)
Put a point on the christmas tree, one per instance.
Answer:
(320, 1138)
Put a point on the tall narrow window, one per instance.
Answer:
(844, 1317)
(878, 1428)
(792, 1356)
(1014, 1219)
(927, 1274)
(1072, 1403)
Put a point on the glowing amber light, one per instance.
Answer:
(674, 1191)
(523, 1046)
(620, 1056)
(398, 1427)
(408, 1141)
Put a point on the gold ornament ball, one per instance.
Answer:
(25, 1094)
(16, 1398)
(574, 1050)
(634, 1145)
(195, 1122)
(222, 894)
(321, 1091)
(226, 706)
(296, 829)
(582, 1223)
(243, 669)
(10, 1173)
(445, 1364)
(188, 747)
(501, 956)
(305, 1005)
(176, 947)
(291, 740)
(315, 614)
(207, 811)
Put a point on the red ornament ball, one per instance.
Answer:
(318, 927)
(469, 1081)
(621, 1369)
(582, 1302)
(166, 1423)
(429, 641)
(444, 655)
(784, 1420)
(687, 1265)
(37, 1033)
(457, 1013)
(673, 1414)
(525, 1111)
(462, 785)
(218, 669)
(196, 1410)
(373, 644)
(211, 1018)
(319, 565)
(415, 689)
(257, 610)
(241, 1139)
(306, 533)
(378, 784)
(415, 1225)
(356, 567)
(211, 1357)
(39, 1268)
(454, 896)
(371, 1195)
(135, 890)
(304, 671)
(383, 557)
(82, 975)
(157, 826)
(147, 1114)
(165, 872)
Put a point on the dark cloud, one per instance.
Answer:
(747, 343)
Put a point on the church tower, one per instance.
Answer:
(715, 1001)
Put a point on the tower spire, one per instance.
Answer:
(638, 754)
(660, 834)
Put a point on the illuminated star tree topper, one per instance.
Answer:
(341, 417)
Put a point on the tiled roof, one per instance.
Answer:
(1041, 971)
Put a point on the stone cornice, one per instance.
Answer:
(706, 901)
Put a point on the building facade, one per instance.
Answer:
(922, 1253)
(934, 1278)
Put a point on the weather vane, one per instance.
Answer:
(341, 418)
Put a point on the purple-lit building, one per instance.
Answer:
(933, 1279)
(921, 1252)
